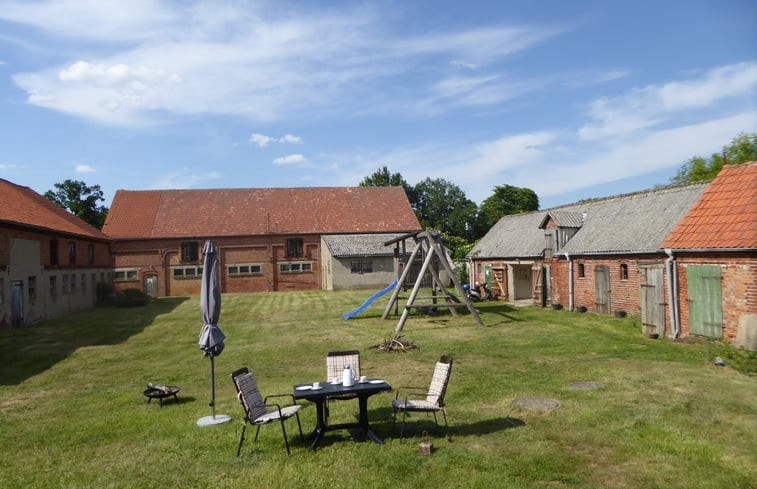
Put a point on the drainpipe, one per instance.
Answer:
(670, 268)
(570, 281)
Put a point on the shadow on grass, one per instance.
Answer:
(417, 423)
(30, 350)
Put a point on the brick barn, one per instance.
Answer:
(713, 252)
(600, 255)
(268, 239)
(50, 260)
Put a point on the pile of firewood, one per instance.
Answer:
(396, 343)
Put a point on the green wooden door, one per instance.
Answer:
(488, 276)
(705, 300)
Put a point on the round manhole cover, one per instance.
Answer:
(540, 404)
(587, 385)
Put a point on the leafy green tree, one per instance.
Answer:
(442, 205)
(506, 200)
(382, 178)
(741, 149)
(80, 200)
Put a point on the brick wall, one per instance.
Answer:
(161, 257)
(624, 292)
(738, 282)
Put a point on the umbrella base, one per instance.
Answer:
(213, 420)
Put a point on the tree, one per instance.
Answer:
(442, 205)
(382, 178)
(506, 200)
(741, 149)
(80, 200)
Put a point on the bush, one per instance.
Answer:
(131, 298)
(103, 293)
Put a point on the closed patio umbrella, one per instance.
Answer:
(211, 337)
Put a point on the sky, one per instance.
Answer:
(573, 100)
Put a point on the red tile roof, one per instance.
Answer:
(23, 206)
(244, 212)
(724, 217)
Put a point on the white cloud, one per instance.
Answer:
(82, 168)
(642, 108)
(260, 139)
(184, 178)
(7, 166)
(288, 138)
(295, 159)
(247, 60)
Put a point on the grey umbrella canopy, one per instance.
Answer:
(211, 337)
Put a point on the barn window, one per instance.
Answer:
(294, 247)
(91, 254)
(189, 251)
(361, 267)
(32, 284)
(623, 271)
(581, 270)
(72, 252)
(53, 252)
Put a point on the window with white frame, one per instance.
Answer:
(125, 274)
(187, 272)
(242, 269)
(53, 286)
(73, 283)
(296, 267)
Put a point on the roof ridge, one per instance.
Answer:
(656, 189)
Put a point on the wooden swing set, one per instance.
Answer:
(429, 243)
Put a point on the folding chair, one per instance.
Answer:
(257, 410)
(429, 400)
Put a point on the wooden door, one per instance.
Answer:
(652, 292)
(601, 290)
(705, 300)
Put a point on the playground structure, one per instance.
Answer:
(429, 243)
(369, 301)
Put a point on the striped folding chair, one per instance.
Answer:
(429, 400)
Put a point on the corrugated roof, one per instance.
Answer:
(628, 223)
(23, 206)
(724, 217)
(341, 245)
(244, 212)
(516, 235)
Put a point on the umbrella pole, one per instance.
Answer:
(212, 387)
(213, 419)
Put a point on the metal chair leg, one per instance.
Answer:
(241, 439)
(286, 441)
(257, 431)
(302, 438)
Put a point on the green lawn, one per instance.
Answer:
(72, 413)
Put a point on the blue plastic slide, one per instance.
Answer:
(368, 301)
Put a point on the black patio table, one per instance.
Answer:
(363, 390)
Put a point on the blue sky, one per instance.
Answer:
(572, 99)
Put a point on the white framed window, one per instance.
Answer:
(242, 269)
(125, 275)
(187, 272)
(73, 283)
(296, 267)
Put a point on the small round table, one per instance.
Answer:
(160, 394)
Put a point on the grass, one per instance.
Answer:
(72, 413)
